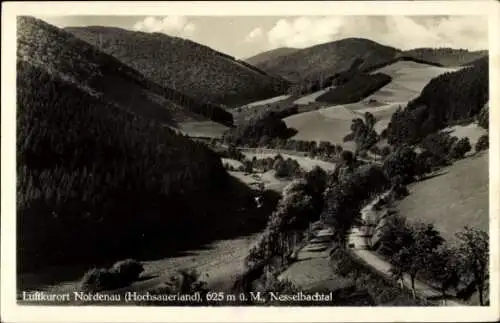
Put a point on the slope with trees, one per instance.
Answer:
(184, 65)
(327, 59)
(97, 183)
(263, 57)
(101, 74)
(448, 98)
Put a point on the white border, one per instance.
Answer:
(12, 312)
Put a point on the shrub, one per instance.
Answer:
(482, 143)
(483, 117)
(128, 270)
(460, 148)
(401, 163)
(287, 168)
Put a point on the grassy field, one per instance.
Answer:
(472, 131)
(333, 123)
(310, 98)
(408, 80)
(202, 129)
(457, 198)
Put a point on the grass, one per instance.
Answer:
(333, 123)
(208, 129)
(408, 80)
(472, 131)
(455, 199)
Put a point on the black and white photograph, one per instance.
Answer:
(209, 160)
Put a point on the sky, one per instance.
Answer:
(245, 36)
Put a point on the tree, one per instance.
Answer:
(460, 148)
(316, 180)
(394, 235)
(473, 253)
(423, 163)
(483, 117)
(369, 120)
(347, 157)
(401, 163)
(443, 268)
(410, 246)
(482, 143)
(426, 239)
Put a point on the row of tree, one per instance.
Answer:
(258, 131)
(301, 204)
(363, 132)
(418, 249)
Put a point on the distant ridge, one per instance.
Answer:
(269, 55)
(448, 57)
(186, 66)
(324, 60)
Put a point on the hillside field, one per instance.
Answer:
(457, 198)
(333, 123)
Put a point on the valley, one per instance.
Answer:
(143, 156)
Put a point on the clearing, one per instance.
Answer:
(472, 131)
(208, 129)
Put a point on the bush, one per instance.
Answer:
(460, 148)
(287, 168)
(129, 270)
(483, 118)
(482, 143)
(401, 163)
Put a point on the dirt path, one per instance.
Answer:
(360, 248)
(313, 269)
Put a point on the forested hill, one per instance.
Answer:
(263, 57)
(184, 65)
(325, 60)
(446, 56)
(96, 72)
(95, 181)
(448, 98)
